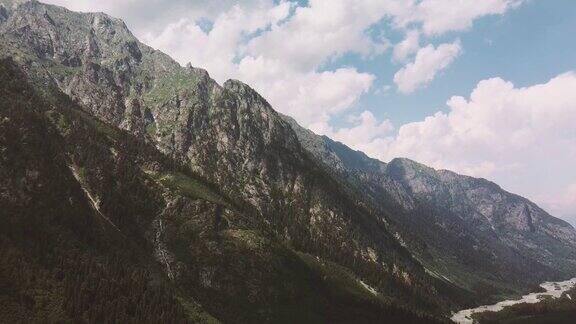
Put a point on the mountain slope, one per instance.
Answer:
(97, 225)
(64, 257)
(467, 230)
(228, 136)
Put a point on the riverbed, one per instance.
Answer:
(553, 289)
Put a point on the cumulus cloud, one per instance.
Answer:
(310, 97)
(522, 138)
(428, 63)
(322, 30)
(366, 134)
(407, 47)
(441, 16)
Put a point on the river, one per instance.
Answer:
(553, 289)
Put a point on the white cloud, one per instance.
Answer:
(428, 62)
(367, 134)
(562, 202)
(522, 138)
(440, 16)
(109, 6)
(407, 47)
(310, 97)
(383, 90)
(144, 16)
(324, 29)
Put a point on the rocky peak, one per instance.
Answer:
(452, 190)
(67, 37)
(255, 113)
(406, 168)
(201, 73)
(93, 57)
(337, 155)
(12, 4)
(240, 87)
(418, 178)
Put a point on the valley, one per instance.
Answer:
(552, 290)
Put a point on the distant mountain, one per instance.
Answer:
(466, 230)
(122, 171)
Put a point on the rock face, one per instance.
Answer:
(250, 215)
(464, 229)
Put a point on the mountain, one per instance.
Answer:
(468, 231)
(231, 210)
(98, 225)
(123, 171)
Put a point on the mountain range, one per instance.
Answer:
(134, 189)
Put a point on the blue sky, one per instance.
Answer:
(529, 45)
(484, 88)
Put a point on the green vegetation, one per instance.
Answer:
(340, 280)
(102, 127)
(166, 87)
(151, 129)
(60, 122)
(187, 186)
(60, 70)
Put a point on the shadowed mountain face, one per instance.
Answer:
(229, 210)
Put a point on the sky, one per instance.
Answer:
(484, 88)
